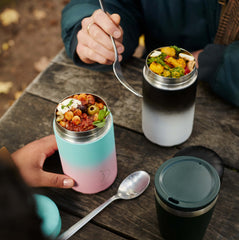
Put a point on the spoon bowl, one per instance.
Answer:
(131, 187)
(134, 185)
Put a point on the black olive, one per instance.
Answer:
(83, 108)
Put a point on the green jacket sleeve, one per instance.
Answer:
(75, 11)
(218, 65)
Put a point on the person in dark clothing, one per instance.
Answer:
(190, 24)
(18, 219)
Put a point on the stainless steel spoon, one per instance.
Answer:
(131, 187)
(116, 65)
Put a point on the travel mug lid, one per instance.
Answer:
(206, 154)
(187, 183)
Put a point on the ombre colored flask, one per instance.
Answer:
(168, 106)
(89, 157)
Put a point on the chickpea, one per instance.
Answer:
(59, 117)
(69, 115)
(63, 124)
(91, 99)
(100, 105)
(76, 97)
(83, 98)
(77, 112)
(76, 120)
(96, 116)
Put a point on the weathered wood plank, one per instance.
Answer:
(59, 81)
(140, 213)
(216, 122)
(62, 58)
(89, 231)
(31, 117)
(28, 119)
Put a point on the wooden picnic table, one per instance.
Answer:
(216, 126)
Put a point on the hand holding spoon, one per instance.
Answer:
(131, 187)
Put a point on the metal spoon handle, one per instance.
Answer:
(112, 39)
(74, 228)
(102, 5)
(116, 65)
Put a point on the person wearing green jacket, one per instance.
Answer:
(190, 24)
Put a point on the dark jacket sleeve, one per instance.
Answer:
(5, 157)
(75, 11)
(218, 65)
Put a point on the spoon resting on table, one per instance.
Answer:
(131, 187)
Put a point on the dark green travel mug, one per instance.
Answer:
(186, 191)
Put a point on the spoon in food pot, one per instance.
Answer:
(116, 65)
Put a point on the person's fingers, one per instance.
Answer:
(94, 43)
(100, 37)
(105, 22)
(48, 143)
(96, 32)
(90, 50)
(196, 54)
(48, 179)
(89, 56)
(94, 50)
(116, 18)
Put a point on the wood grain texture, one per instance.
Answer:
(216, 126)
(90, 231)
(216, 123)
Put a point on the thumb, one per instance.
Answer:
(56, 180)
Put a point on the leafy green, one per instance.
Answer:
(99, 124)
(164, 64)
(151, 59)
(68, 105)
(177, 49)
(158, 59)
(103, 113)
(177, 72)
(162, 56)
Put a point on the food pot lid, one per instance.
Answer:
(206, 154)
(187, 183)
(50, 216)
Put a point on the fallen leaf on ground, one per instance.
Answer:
(9, 16)
(5, 87)
(17, 94)
(39, 14)
(7, 45)
(41, 64)
(11, 43)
